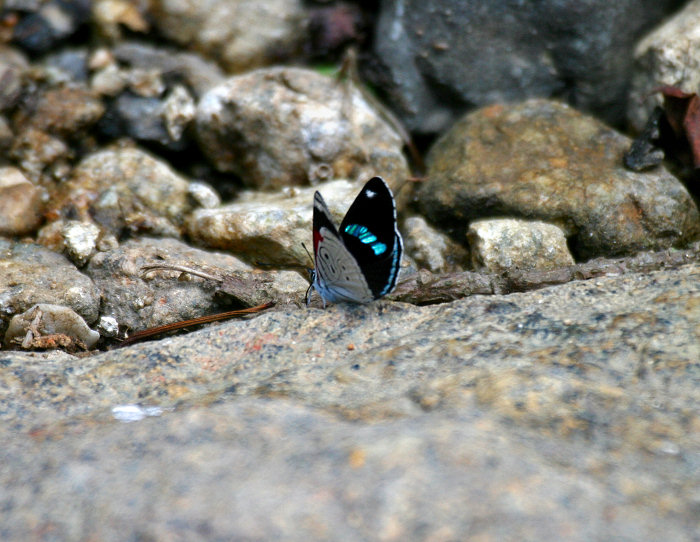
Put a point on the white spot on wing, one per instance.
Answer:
(370, 193)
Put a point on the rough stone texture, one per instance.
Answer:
(198, 73)
(269, 227)
(431, 249)
(39, 153)
(31, 274)
(20, 203)
(138, 300)
(543, 160)
(277, 127)
(80, 241)
(499, 245)
(239, 34)
(566, 413)
(125, 189)
(62, 111)
(436, 59)
(13, 69)
(669, 55)
(45, 319)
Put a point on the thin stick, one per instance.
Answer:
(140, 335)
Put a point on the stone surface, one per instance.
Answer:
(432, 249)
(269, 227)
(41, 26)
(196, 72)
(137, 299)
(44, 319)
(669, 55)
(125, 190)
(31, 274)
(543, 160)
(239, 34)
(277, 127)
(62, 111)
(20, 203)
(13, 70)
(437, 59)
(38, 153)
(80, 241)
(540, 411)
(499, 245)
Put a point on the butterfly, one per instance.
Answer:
(359, 263)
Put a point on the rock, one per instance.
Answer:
(13, 70)
(499, 245)
(290, 126)
(239, 34)
(139, 118)
(178, 111)
(31, 274)
(110, 16)
(6, 135)
(573, 401)
(43, 321)
(39, 153)
(431, 249)
(434, 60)
(137, 299)
(45, 24)
(204, 195)
(125, 190)
(269, 228)
(197, 73)
(80, 241)
(67, 66)
(545, 161)
(63, 111)
(669, 55)
(20, 203)
(108, 326)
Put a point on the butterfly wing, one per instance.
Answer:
(371, 236)
(338, 277)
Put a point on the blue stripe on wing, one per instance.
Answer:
(367, 237)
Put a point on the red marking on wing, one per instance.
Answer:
(317, 239)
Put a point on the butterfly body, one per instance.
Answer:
(359, 262)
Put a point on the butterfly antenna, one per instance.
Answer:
(309, 255)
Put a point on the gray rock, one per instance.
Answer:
(545, 161)
(239, 34)
(432, 249)
(14, 67)
(32, 274)
(139, 299)
(277, 127)
(20, 203)
(436, 59)
(499, 245)
(198, 73)
(108, 326)
(540, 410)
(669, 55)
(42, 320)
(269, 227)
(125, 189)
(42, 25)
